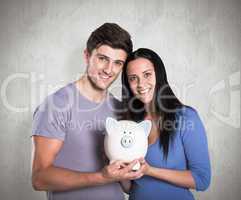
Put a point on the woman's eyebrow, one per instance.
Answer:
(131, 75)
(147, 70)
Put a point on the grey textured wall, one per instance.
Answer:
(42, 43)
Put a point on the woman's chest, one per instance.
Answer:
(176, 155)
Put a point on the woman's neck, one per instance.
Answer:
(152, 115)
(150, 111)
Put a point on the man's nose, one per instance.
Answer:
(108, 67)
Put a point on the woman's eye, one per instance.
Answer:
(146, 75)
(132, 78)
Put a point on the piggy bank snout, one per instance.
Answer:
(127, 141)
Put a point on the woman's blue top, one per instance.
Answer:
(188, 150)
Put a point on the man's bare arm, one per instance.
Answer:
(46, 176)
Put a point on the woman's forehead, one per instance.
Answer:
(139, 65)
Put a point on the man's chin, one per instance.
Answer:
(102, 87)
(105, 85)
(99, 85)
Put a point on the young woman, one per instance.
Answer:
(177, 158)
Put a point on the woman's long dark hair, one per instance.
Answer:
(164, 103)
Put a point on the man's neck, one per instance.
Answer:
(87, 90)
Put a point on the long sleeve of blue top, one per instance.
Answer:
(188, 150)
(196, 149)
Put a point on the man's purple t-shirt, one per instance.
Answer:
(68, 116)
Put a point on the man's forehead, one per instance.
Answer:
(113, 53)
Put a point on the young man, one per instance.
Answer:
(68, 127)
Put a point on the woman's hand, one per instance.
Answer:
(145, 167)
(182, 178)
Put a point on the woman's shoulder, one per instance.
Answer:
(186, 112)
(189, 121)
(187, 118)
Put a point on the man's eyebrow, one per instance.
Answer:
(122, 61)
(99, 54)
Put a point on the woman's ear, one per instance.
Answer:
(111, 125)
(146, 125)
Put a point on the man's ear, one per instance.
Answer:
(86, 56)
(111, 125)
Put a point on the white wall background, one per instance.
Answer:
(41, 47)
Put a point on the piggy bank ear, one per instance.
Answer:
(146, 125)
(110, 125)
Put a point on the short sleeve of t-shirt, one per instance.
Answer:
(49, 120)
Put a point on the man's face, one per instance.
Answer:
(103, 65)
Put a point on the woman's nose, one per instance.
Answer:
(141, 82)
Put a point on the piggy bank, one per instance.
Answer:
(126, 140)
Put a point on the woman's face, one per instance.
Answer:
(142, 79)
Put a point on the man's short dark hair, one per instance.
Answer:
(112, 35)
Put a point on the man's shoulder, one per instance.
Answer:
(64, 92)
(60, 98)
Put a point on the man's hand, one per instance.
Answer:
(119, 170)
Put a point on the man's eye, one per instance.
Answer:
(101, 58)
(119, 64)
